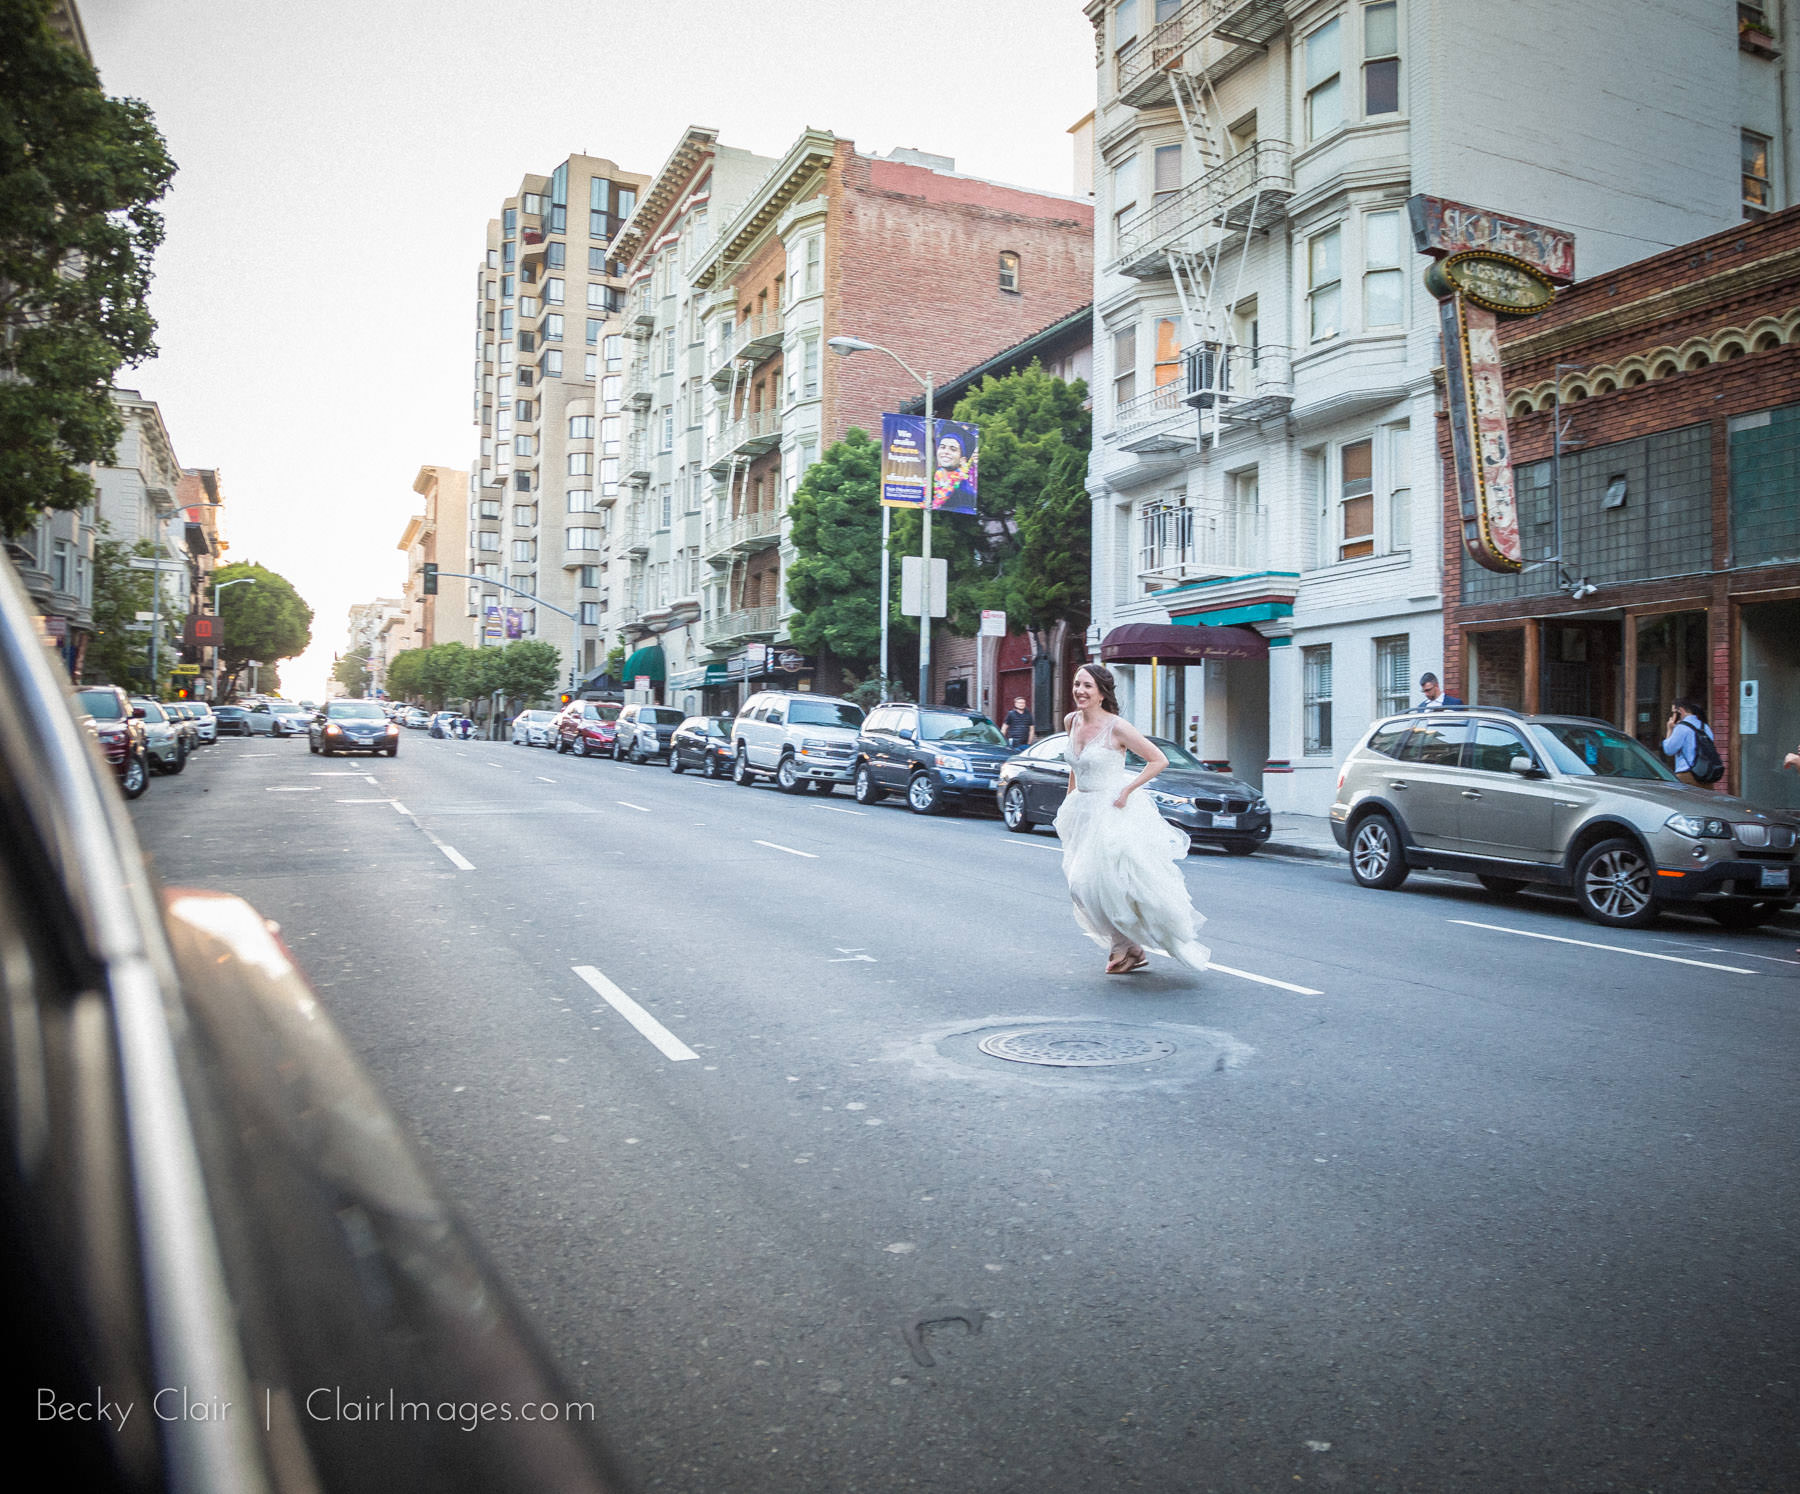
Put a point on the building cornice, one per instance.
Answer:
(808, 155)
(665, 191)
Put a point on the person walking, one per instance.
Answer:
(1435, 698)
(1019, 727)
(1121, 858)
(1688, 741)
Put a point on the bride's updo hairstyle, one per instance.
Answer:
(1105, 684)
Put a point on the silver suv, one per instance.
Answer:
(795, 738)
(1559, 800)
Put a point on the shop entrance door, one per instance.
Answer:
(1582, 664)
(1768, 715)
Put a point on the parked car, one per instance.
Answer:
(241, 721)
(532, 728)
(416, 718)
(1213, 808)
(645, 731)
(168, 752)
(111, 719)
(443, 724)
(795, 738)
(702, 742)
(586, 728)
(939, 757)
(1559, 801)
(353, 726)
(181, 716)
(204, 720)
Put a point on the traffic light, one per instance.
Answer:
(430, 587)
(183, 693)
(564, 698)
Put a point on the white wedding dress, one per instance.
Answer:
(1124, 865)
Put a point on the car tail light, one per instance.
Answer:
(1341, 772)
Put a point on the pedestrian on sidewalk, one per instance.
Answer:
(1688, 741)
(1435, 698)
(1020, 727)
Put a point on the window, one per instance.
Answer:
(1759, 198)
(1438, 743)
(1323, 281)
(524, 516)
(624, 201)
(527, 342)
(613, 350)
(522, 408)
(553, 291)
(1124, 366)
(490, 508)
(596, 261)
(1356, 501)
(1165, 172)
(1124, 195)
(1168, 351)
(506, 355)
(532, 203)
(597, 226)
(1124, 23)
(61, 552)
(596, 296)
(593, 331)
(509, 254)
(590, 575)
(581, 427)
(486, 539)
(667, 423)
(521, 482)
(581, 500)
(523, 446)
(1009, 271)
(590, 613)
(609, 392)
(1495, 747)
(809, 364)
(582, 539)
(1393, 675)
(555, 255)
(553, 327)
(609, 435)
(1315, 677)
(1384, 283)
(1324, 99)
(609, 476)
(581, 463)
(1381, 58)
(524, 550)
(813, 274)
(665, 506)
(590, 366)
(553, 364)
(1399, 486)
(668, 350)
(506, 287)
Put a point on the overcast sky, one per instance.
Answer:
(339, 163)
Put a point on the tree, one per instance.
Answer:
(528, 672)
(834, 582)
(117, 653)
(352, 671)
(78, 174)
(265, 621)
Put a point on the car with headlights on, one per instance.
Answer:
(1557, 801)
(111, 719)
(702, 742)
(939, 757)
(532, 728)
(353, 726)
(1213, 808)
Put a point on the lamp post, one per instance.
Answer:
(219, 586)
(846, 346)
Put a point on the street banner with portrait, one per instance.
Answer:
(903, 464)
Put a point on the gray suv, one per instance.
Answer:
(797, 739)
(1564, 801)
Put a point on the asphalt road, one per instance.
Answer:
(1414, 1191)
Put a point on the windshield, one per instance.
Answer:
(355, 710)
(537, 716)
(663, 716)
(824, 713)
(1598, 752)
(102, 705)
(1178, 756)
(946, 726)
(153, 712)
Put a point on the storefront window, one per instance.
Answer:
(1671, 666)
(1767, 715)
(1496, 668)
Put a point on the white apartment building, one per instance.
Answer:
(549, 365)
(1266, 439)
(656, 575)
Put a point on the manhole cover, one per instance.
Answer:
(1076, 1047)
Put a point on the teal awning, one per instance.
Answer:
(646, 661)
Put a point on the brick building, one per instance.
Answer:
(945, 270)
(1671, 564)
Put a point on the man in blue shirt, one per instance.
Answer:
(1682, 742)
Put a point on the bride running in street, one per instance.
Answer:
(1121, 857)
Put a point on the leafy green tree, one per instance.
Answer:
(265, 621)
(115, 654)
(834, 581)
(443, 673)
(78, 174)
(352, 671)
(403, 675)
(528, 672)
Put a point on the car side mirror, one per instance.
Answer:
(1525, 767)
(908, 733)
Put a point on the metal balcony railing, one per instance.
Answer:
(1186, 542)
(751, 622)
(637, 457)
(1249, 191)
(1241, 382)
(753, 433)
(753, 531)
(1153, 407)
(1141, 70)
(751, 340)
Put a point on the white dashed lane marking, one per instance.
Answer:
(789, 849)
(1642, 954)
(665, 1042)
(638, 807)
(457, 859)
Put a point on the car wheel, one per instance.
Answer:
(1014, 812)
(580, 749)
(787, 775)
(136, 777)
(923, 796)
(312, 747)
(1741, 915)
(740, 770)
(709, 765)
(1237, 847)
(179, 763)
(868, 791)
(636, 755)
(675, 762)
(1612, 885)
(1376, 857)
(1501, 886)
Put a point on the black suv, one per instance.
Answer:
(937, 756)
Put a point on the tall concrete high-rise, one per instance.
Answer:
(549, 365)
(1265, 413)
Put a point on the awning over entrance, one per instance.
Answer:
(1170, 643)
(645, 661)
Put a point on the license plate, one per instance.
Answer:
(1224, 822)
(1774, 876)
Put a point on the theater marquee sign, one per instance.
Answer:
(1485, 266)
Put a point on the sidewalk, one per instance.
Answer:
(1306, 837)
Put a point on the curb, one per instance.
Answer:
(1305, 853)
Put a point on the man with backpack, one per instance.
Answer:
(1690, 743)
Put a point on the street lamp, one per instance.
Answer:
(219, 586)
(846, 346)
